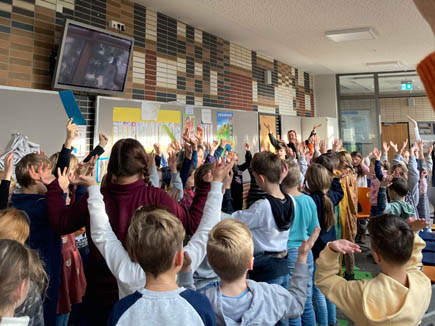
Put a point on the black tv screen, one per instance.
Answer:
(92, 59)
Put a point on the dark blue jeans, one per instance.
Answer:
(308, 318)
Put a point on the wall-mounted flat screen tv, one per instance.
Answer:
(92, 59)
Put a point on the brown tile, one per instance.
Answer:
(21, 40)
(20, 47)
(37, 71)
(5, 22)
(19, 76)
(19, 61)
(19, 83)
(20, 69)
(20, 32)
(45, 11)
(44, 18)
(23, 19)
(113, 3)
(44, 31)
(3, 74)
(45, 79)
(4, 66)
(4, 36)
(4, 51)
(43, 45)
(4, 44)
(41, 86)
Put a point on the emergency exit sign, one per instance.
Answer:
(406, 86)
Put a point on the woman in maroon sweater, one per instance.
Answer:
(124, 192)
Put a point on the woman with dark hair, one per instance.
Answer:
(126, 189)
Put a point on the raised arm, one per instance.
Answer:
(383, 206)
(413, 178)
(248, 158)
(6, 182)
(345, 295)
(99, 149)
(129, 275)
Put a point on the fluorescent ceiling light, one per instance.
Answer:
(395, 64)
(354, 34)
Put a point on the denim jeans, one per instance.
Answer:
(325, 309)
(283, 281)
(62, 320)
(308, 318)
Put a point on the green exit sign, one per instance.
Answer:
(406, 86)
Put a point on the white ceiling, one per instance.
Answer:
(292, 31)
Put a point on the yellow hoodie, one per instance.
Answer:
(379, 301)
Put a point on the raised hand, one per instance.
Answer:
(72, 131)
(305, 247)
(394, 146)
(62, 179)
(377, 153)
(172, 162)
(386, 180)
(247, 147)
(221, 170)
(430, 150)
(405, 144)
(102, 140)
(199, 134)
(187, 261)
(323, 147)
(267, 126)
(157, 149)
(9, 166)
(423, 174)
(317, 126)
(386, 147)
(42, 174)
(344, 247)
(416, 224)
(228, 180)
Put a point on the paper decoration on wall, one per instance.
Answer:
(71, 108)
(208, 133)
(127, 123)
(101, 169)
(189, 123)
(79, 143)
(149, 111)
(225, 127)
(190, 109)
(206, 116)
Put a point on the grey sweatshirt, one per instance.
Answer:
(270, 302)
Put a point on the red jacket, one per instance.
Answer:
(121, 203)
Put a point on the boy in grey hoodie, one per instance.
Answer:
(238, 301)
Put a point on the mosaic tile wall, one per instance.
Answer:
(172, 61)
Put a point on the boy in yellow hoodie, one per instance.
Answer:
(399, 295)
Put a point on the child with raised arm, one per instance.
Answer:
(238, 301)
(7, 184)
(129, 274)
(399, 295)
(397, 190)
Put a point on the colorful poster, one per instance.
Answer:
(224, 125)
(79, 143)
(189, 123)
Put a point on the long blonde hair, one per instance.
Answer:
(318, 179)
(14, 224)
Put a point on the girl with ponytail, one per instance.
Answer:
(326, 192)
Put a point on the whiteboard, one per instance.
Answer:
(37, 114)
(245, 122)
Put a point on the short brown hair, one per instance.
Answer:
(293, 177)
(14, 224)
(23, 167)
(230, 249)
(392, 237)
(267, 164)
(153, 238)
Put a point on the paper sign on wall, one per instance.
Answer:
(189, 109)
(206, 116)
(79, 143)
(150, 111)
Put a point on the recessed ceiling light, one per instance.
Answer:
(354, 34)
(395, 64)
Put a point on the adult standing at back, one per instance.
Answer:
(125, 190)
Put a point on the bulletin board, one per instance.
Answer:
(112, 112)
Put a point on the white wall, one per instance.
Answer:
(325, 96)
(328, 130)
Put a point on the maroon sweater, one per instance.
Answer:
(121, 203)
